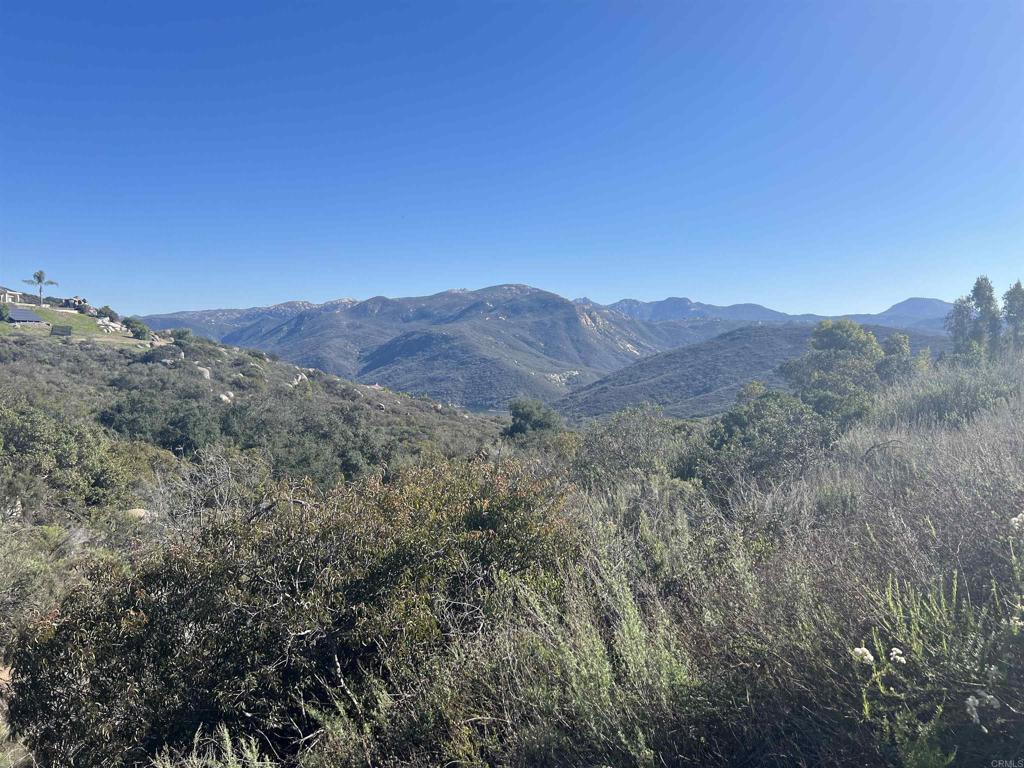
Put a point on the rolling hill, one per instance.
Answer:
(702, 379)
(485, 347)
(215, 324)
(475, 348)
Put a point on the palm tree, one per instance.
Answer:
(39, 279)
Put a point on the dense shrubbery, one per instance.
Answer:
(531, 416)
(50, 467)
(259, 615)
(196, 394)
(828, 577)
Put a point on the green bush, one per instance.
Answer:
(50, 466)
(954, 393)
(769, 439)
(137, 328)
(531, 416)
(254, 623)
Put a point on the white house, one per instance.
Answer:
(8, 296)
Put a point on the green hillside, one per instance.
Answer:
(703, 379)
(194, 395)
(80, 325)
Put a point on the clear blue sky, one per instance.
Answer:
(811, 156)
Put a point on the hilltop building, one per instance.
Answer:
(9, 296)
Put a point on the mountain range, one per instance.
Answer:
(482, 348)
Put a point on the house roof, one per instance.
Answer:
(25, 316)
(4, 289)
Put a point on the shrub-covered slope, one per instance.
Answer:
(194, 394)
(702, 379)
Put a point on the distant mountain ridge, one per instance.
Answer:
(482, 348)
(217, 323)
(477, 348)
(910, 313)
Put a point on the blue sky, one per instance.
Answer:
(811, 156)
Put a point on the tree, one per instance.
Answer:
(5, 313)
(837, 376)
(137, 328)
(39, 280)
(898, 362)
(1013, 313)
(107, 312)
(959, 323)
(988, 322)
(770, 437)
(531, 416)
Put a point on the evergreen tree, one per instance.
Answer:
(988, 320)
(960, 322)
(1013, 313)
(898, 362)
(839, 373)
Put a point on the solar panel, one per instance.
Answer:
(25, 316)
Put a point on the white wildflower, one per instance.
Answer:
(863, 655)
(1017, 523)
(1017, 623)
(988, 700)
(896, 656)
(983, 699)
(971, 704)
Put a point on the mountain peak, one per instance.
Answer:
(917, 306)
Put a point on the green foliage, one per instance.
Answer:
(184, 428)
(5, 312)
(946, 681)
(321, 594)
(976, 320)
(633, 444)
(773, 437)
(107, 312)
(307, 423)
(49, 465)
(954, 393)
(988, 324)
(839, 373)
(219, 751)
(898, 363)
(531, 416)
(137, 328)
(1013, 312)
